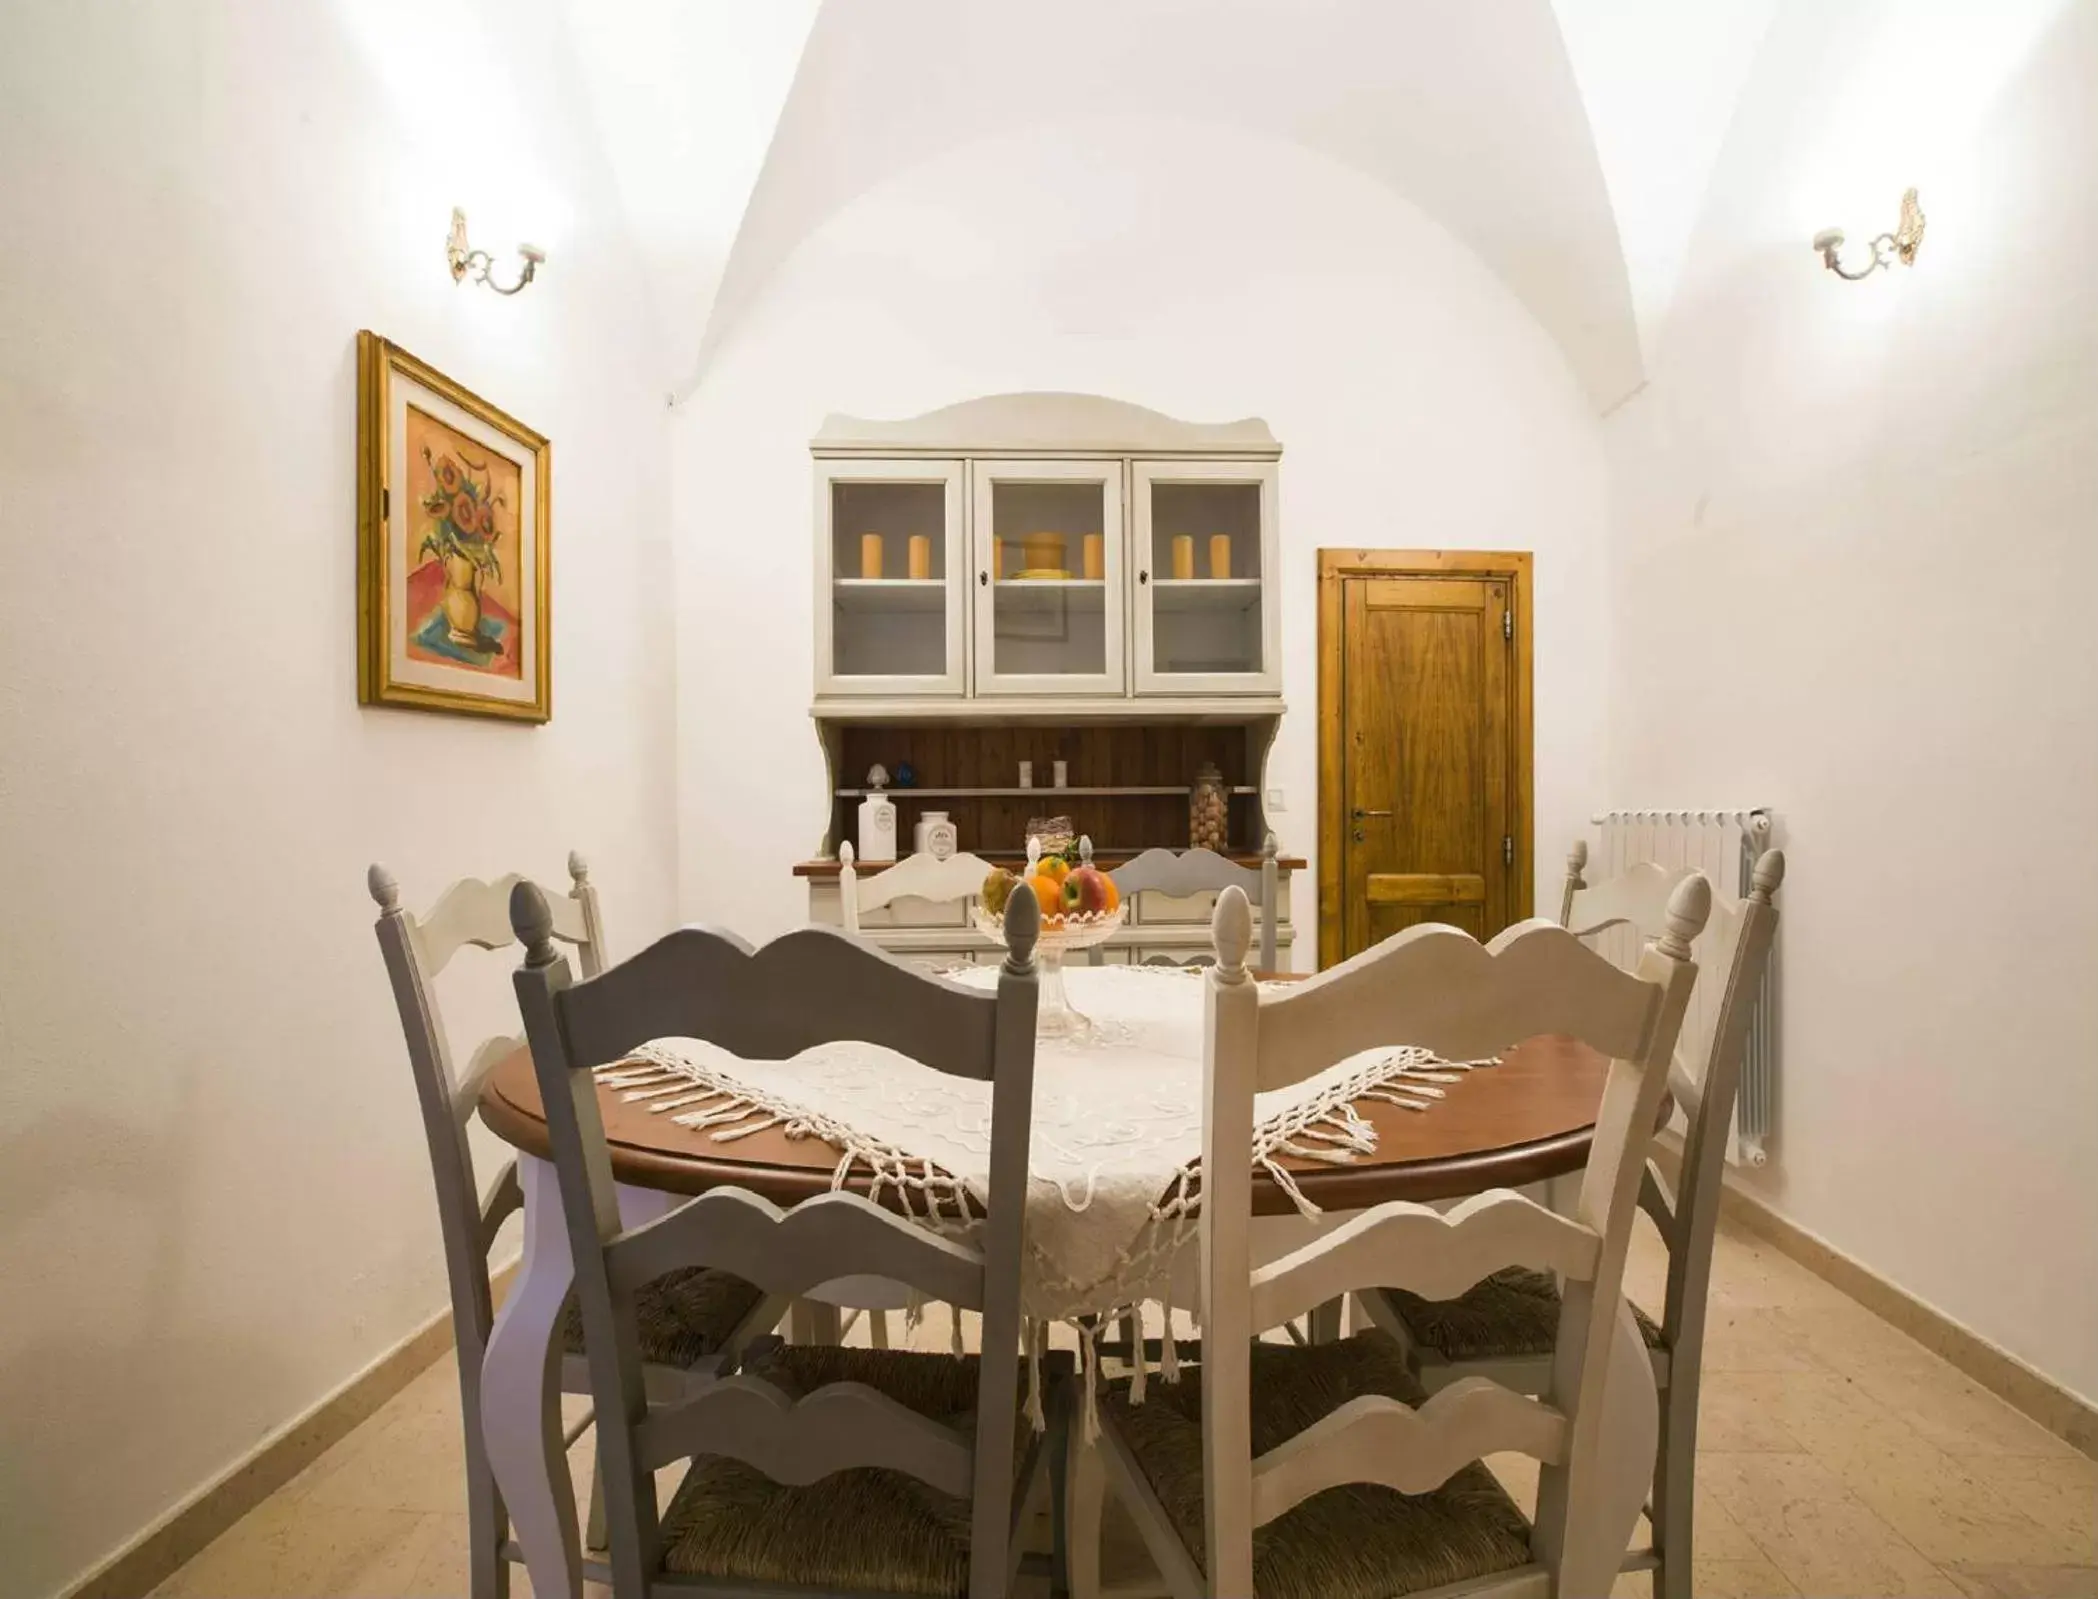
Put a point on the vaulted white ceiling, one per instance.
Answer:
(1566, 142)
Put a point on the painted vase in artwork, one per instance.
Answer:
(462, 600)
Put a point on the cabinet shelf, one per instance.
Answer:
(1029, 793)
(1023, 594)
(890, 593)
(1205, 593)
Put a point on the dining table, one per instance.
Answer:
(1526, 1120)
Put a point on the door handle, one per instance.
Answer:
(1358, 813)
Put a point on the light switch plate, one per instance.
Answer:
(1275, 800)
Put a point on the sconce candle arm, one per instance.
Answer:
(1900, 245)
(466, 261)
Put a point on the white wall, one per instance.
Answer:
(1857, 544)
(214, 1200)
(1188, 267)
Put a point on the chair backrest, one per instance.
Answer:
(815, 985)
(1196, 871)
(1706, 1072)
(919, 876)
(1439, 988)
(417, 949)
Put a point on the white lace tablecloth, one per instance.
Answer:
(1116, 1139)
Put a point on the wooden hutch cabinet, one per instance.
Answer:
(1041, 578)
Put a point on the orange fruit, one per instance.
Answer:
(1049, 894)
(1114, 894)
(1055, 868)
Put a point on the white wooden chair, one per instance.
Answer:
(815, 1468)
(920, 876)
(691, 1321)
(1279, 1426)
(1504, 1328)
(1197, 871)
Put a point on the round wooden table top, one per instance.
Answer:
(1526, 1119)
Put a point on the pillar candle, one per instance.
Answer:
(870, 555)
(1183, 555)
(1095, 556)
(921, 556)
(1220, 555)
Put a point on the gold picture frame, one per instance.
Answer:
(454, 525)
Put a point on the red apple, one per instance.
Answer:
(1087, 890)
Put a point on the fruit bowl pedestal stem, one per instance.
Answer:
(1054, 1017)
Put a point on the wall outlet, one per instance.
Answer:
(1275, 801)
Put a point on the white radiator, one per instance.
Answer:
(1723, 844)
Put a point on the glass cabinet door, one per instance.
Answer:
(1204, 540)
(890, 575)
(1047, 540)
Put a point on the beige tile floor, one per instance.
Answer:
(1837, 1457)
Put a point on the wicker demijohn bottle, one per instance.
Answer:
(1207, 810)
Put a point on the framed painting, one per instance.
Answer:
(453, 525)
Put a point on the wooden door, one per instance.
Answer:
(1424, 777)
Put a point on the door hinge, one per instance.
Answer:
(385, 504)
(1507, 849)
(1508, 625)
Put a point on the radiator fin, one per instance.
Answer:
(1724, 845)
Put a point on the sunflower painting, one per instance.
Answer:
(453, 542)
(462, 598)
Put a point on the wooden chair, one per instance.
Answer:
(691, 1321)
(839, 1471)
(1197, 871)
(918, 876)
(1266, 1430)
(1504, 1328)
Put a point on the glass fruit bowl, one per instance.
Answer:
(1060, 934)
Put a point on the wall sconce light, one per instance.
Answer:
(468, 262)
(1900, 245)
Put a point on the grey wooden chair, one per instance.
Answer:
(1505, 1327)
(1197, 871)
(691, 1320)
(1326, 1472)
(815, 1468)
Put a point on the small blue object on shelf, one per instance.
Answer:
(906, 774)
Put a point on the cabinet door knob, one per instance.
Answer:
(984, 579)
(1143, 577)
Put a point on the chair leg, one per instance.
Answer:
(488, 1573)
(1675, 1491)
(1325, 1323)
(595, 1534)
(813, 1322)
(1085, 1492)
(878, 1329)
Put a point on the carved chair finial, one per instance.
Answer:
(385, 890)
(578, 868)
(1769, 873)
(532, 920)
(1270, 846)
(1023, 926)
(1231, 932)
(1688, 907)
(845, 855)
(1577, 859)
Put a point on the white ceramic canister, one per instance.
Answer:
(934, 835)
(877, 828)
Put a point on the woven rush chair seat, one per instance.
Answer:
(681, 1318)
(860, 1531)
(1357, 1541)
(1512, 1313)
